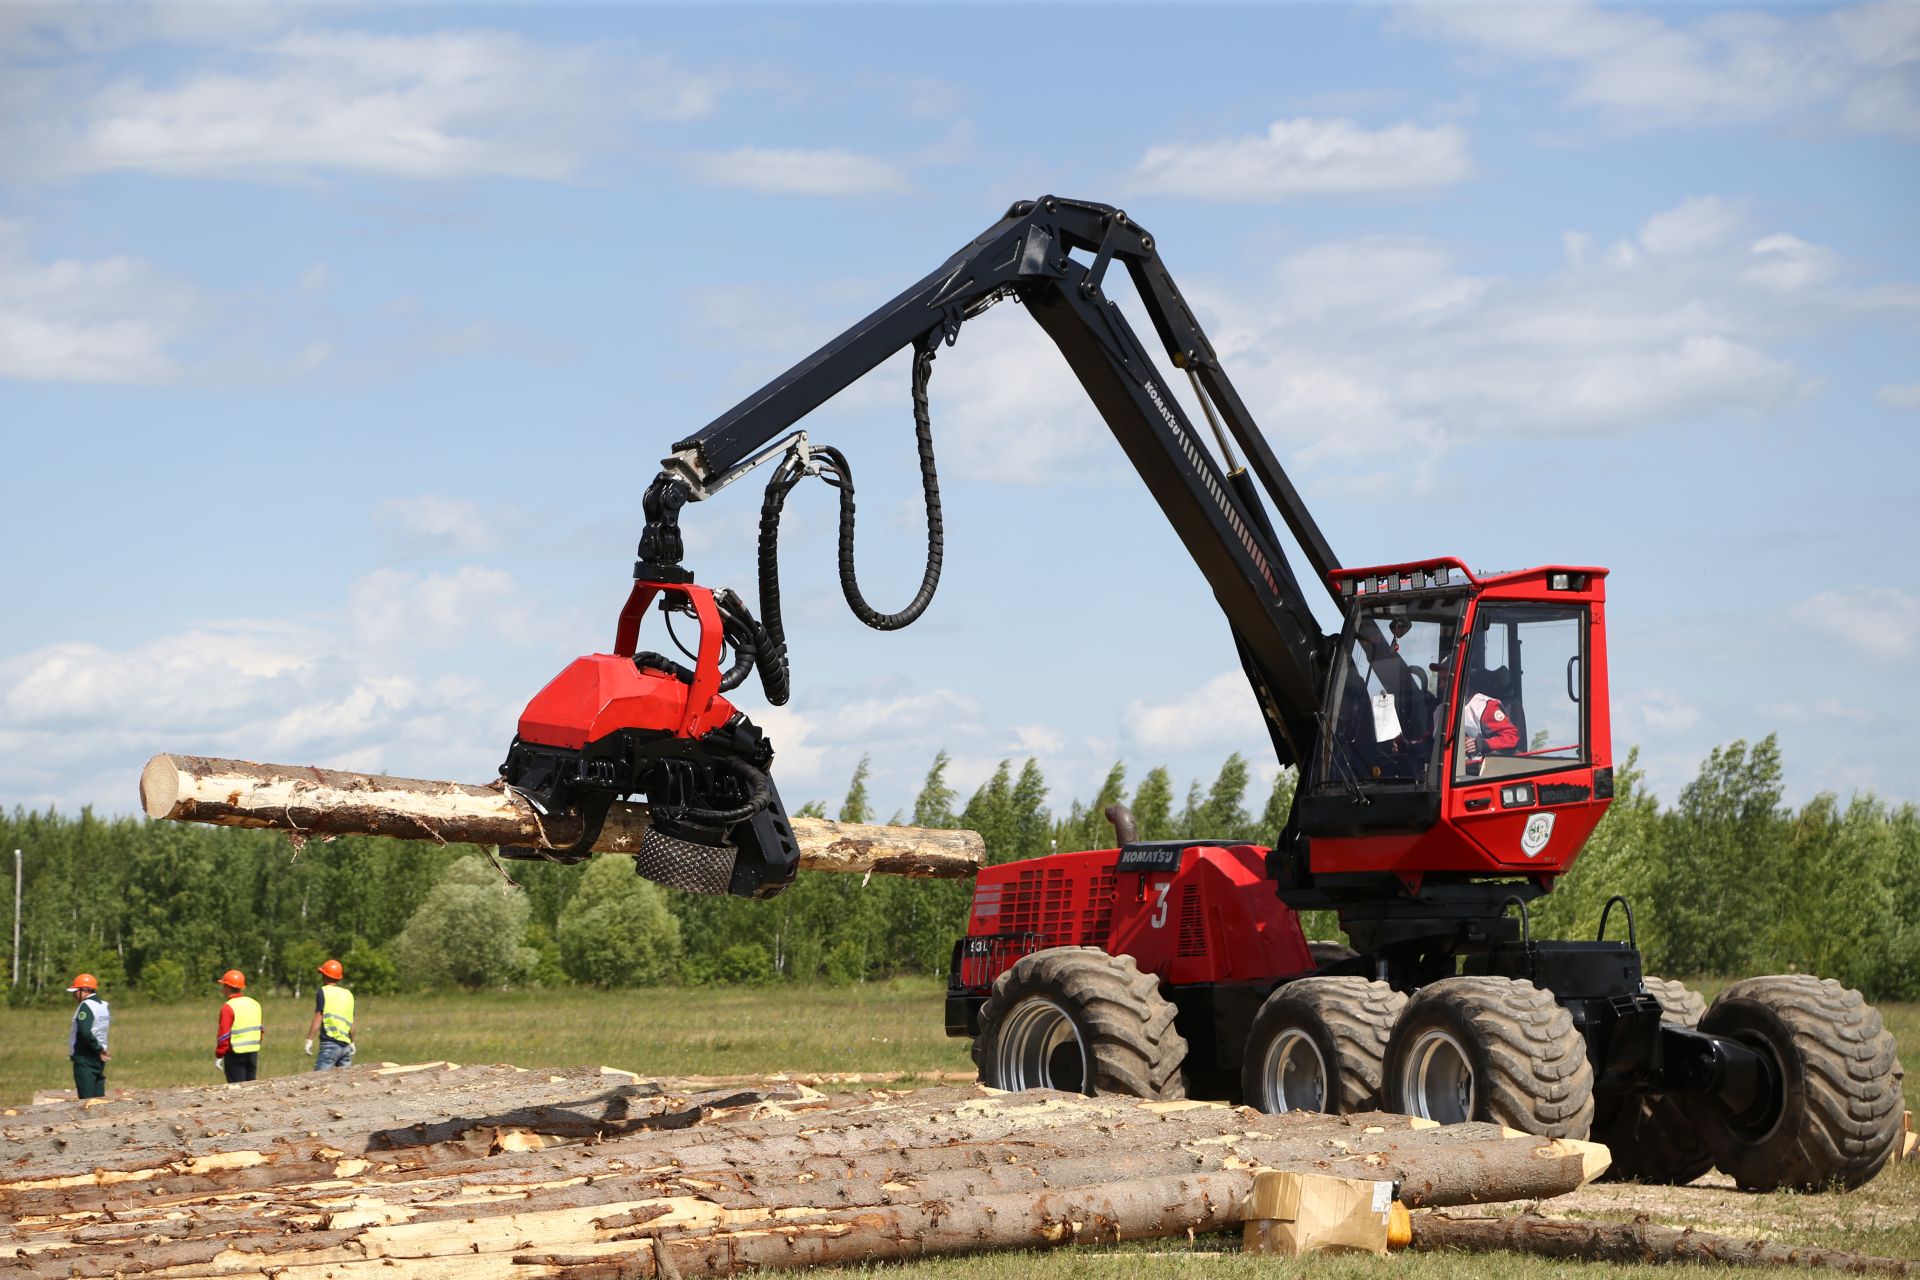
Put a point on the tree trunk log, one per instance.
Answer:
(307, 801)
(1102, 1213)
(1632, 1242)
(349, 1175)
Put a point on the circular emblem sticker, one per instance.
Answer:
(1539, 831)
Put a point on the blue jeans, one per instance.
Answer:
(332, 1054)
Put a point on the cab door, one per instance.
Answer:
(1521, 758)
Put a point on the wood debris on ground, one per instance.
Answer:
(587, 1174)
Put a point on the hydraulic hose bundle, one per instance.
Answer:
(831, 465)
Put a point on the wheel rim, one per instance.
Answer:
(1294, 1073)
(1040, 1048)
(1436, 1078)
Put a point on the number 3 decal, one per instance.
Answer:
(1159, 919)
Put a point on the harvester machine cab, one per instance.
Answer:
(1464, 730)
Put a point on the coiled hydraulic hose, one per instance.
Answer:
(836, 471)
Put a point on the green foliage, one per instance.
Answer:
(1153, 805)
(617, 931)
(846, 963)
(1728, 881)
(300, 964)
(857, 807)
(163, 980)
(370, 970)
(744, 964)
(467, 932)
(547, 970)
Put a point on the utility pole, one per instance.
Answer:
(16, 917)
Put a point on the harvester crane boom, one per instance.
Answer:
(1216, 509)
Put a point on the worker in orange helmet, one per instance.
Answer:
(332, 1020)
(87, 1038)
(236, 1049)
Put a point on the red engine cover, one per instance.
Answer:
(1213, 918)
(604, 692)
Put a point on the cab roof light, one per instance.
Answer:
(1560, 580)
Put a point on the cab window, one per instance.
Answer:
(1385, 703)
(1521, 706)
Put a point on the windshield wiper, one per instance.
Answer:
(1343, 749)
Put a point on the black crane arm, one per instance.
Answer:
(1216, 510)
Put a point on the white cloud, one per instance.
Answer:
(829, 172)
(309, 101)
(314, 279)
(396, 611)
(1857, 67)
(1697, 223)
(116, 319)
(433, 523)
(1375, 339)
(1881, 622)
(1308, 157)
(1900, 397)
(377, 685)
(894, 717)
(1007, 408)
(1221, 712)
(1652, 715)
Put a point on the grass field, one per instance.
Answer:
(888, 1027)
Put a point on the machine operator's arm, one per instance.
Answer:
(1218, 514)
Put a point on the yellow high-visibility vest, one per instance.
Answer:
(336, 1013)
(245, 1035)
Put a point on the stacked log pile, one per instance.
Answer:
(491, 1172)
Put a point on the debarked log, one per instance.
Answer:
(1103, 1213)
(306, 801)
(1633, 1242)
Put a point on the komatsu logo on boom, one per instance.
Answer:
(1201, 464)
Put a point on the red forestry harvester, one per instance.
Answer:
(1454, 755)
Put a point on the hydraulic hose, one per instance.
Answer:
(771, 651)
(930, 490)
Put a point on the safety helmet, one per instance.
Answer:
(235, 979)
(332, 969)
(84, 982)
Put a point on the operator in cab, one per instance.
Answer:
(1485, 727)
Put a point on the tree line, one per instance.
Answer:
(1728, 880)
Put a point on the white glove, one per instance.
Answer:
(307, 1048)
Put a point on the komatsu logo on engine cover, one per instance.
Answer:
(1201, 464)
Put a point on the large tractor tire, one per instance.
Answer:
(1836, 1117)
(1327, 954)
(1485, 1048)
(1083, 1021)
(1654, 1137)
(1317, 1045)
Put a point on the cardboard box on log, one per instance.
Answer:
(1295, 1213)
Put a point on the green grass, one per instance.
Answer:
(876, 1027)
(881, 1026)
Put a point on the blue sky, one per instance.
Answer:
(337, 344)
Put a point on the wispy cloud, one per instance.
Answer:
(1896, 396)
(115, 319)
(1881, 622)
(1858, 67)
(1308, 157)
(798, 171)
(315, 101)
(1690, 318)
(1220, 713)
